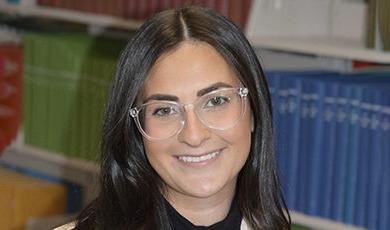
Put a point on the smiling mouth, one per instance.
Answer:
(197, 159)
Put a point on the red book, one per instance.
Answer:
(69, 4)
(110, 7)
(92, 6)
(234, 11)
(163, 4)
(222, 6)
(131, 8)
(205, 3)
(120, 6)
(211, 4)
(153, 7)
(356, 65)
(99, 6)
(142, 9)
(83, 5)
(175, 4)
(57, 3)
(245, 11)
(44, 2)
(11, 59)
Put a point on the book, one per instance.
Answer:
(23, 197)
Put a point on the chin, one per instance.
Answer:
(207, 190)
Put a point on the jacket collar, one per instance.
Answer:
(244, 225)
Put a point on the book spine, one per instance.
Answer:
(305, 144)
(384, 198)
(376, 167)
(328, 148)
(371, 23)
(131, 9)
(384, 22)
(363, 159)
(10, 93)
(341, 156)
(353, 143)
(314, 182)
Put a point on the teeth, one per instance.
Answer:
(191, 159)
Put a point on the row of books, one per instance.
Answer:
(10, 92)
(139, 9)
(332, 141)
(66, 79)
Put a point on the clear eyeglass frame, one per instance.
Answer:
(242, 92)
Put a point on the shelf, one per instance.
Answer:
(318, 223)
(53, 164)
(70, 16)
(328, 47)
(51, 157)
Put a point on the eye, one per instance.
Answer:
(164, 111)
(217, 101)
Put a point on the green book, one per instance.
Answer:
(371, 24)
(27, 89)
(67, 77)
(384, 22)
(299, 227)
(39, 95)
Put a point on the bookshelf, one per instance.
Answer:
(71, 168)
(89, 19)
(317, 223)
(49, 163)
(342, 48)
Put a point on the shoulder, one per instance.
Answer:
(68, 226)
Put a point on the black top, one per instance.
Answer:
(231, 222)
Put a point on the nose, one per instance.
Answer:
(194, 132)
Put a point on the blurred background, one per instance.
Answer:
(328, 67)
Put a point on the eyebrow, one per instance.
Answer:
(167, 97)
(161, 97)
(213, 87)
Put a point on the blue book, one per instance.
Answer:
(273, 80)
(278, 91)
(352, 166)
(384, 207)
(315, 173)
(328, 148)
(377, 157)
(341, 156)
(305, 144)
(292, 117)
(362, 189)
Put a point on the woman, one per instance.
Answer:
(187, 137)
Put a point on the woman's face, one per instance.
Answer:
(183, 73)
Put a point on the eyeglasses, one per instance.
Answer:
(220, 109)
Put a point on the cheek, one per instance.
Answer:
(239, 138)
(154, 154)
(160, 158)
(240, 135)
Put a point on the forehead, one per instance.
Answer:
(188, 69)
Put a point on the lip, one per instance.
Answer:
(201, 163)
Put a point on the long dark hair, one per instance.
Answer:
(130, 196)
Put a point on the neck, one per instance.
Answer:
(202, 211)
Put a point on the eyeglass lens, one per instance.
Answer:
(220, 110)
